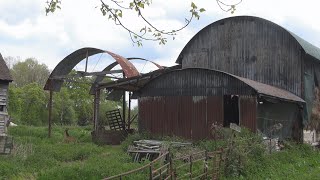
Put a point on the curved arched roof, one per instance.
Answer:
(257, 87)
(112, 65)
(309, 48)
(68, 63)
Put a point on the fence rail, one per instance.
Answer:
(172, 167)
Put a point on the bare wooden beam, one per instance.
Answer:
(129, 110)
(96, 108)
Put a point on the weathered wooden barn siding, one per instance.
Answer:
(195, 82)
(249, 47)
(3, 102)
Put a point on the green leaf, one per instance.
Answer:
(120, 14)
(193, 5)
(202, 10)
(140, 4)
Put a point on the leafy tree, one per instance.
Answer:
(10, 61)
(63, 108)
(15, 103)
(78, 89)
(116, 10)
(27, 104)
(29, 71)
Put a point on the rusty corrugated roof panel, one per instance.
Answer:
(128, 68)
(4, 71)
(112, 65)
(265, 89)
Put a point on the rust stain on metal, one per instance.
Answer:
(248, 112)
(128, 67)
(180, 115)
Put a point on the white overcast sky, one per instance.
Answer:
(26, 31)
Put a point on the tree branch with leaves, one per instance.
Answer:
(114, 11)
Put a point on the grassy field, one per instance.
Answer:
(37, 157)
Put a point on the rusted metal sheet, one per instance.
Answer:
(248, 112)
(215, 113)
(111, 66)
(127, 66)
(248, 47)
(271, 91)
(185, 116)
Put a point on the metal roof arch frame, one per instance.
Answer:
(66, 65)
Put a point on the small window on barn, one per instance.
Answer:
(1, 108)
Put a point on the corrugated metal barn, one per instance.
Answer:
(244, 70)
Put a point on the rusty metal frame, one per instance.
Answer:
(111, 66)
(68, 63)
(61, 71)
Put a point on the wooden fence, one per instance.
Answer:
(165, 167)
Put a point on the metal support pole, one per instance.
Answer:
(50, 113)
(96, 109)
(124, 110)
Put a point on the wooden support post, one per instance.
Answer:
(124, 107)
(50, 113)
(190, 167)
(206, 165)
(96, 109)
(172, 176)
(129, 111)
(150, 171)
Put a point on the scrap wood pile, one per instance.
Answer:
(151, 149)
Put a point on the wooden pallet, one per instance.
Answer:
(115, 121)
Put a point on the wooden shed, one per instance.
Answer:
(5, 79)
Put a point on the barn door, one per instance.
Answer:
(248, 112)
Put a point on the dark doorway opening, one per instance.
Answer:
(231, 110)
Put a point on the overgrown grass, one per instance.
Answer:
(37, 157)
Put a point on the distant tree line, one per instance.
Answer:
(28, 102)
